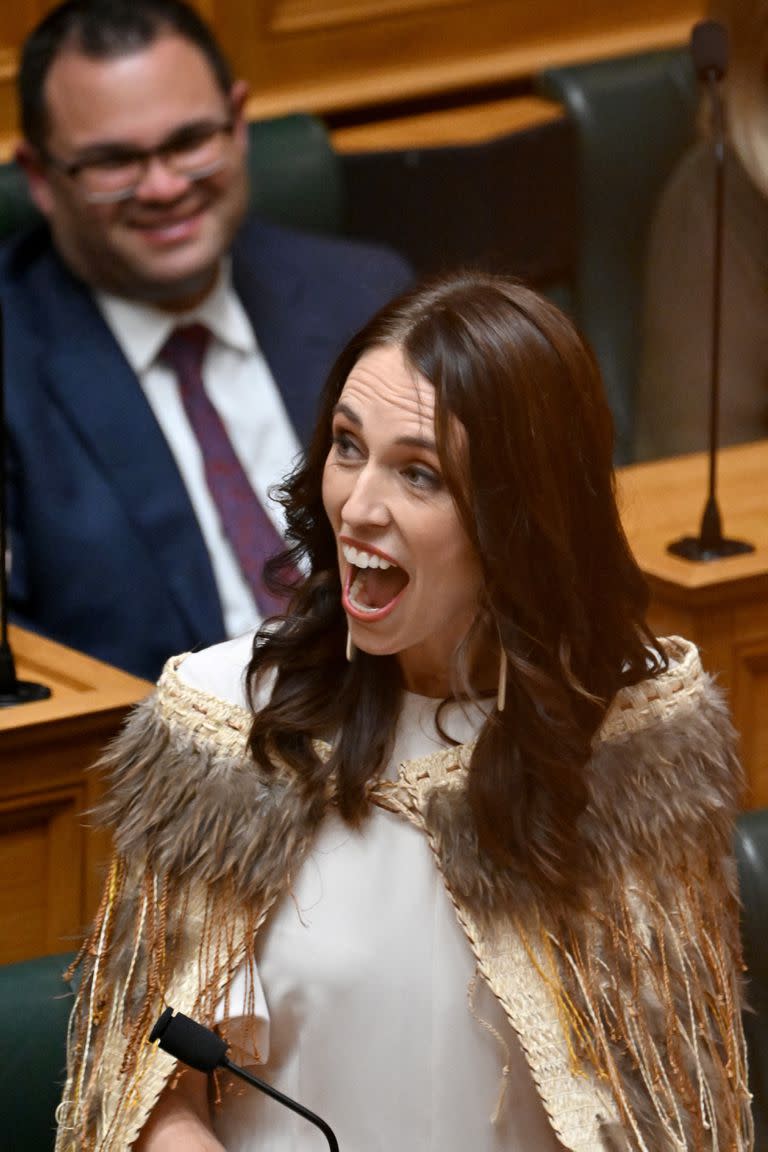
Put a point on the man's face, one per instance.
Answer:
(164, 243)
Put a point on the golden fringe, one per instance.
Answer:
(645, 994)
(655, 1015)
(502, 1043)
(123, 991)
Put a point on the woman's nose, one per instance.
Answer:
(367, 502)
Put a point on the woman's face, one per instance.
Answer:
(410, 577)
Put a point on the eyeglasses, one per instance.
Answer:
(109, 176)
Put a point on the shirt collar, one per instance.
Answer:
(141, 330)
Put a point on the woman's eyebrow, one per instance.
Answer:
(342, 409)
(417, 442)
(425, 442)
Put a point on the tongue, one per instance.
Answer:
(379, 586)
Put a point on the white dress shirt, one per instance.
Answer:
(241, 388)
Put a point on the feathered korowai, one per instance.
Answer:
(628, 1014)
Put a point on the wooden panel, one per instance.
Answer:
(449, 127)
(671, 620)
(16, 19)
(751, 715)
(332, 55)
(41, 864)
(319, 15)
(297, 56)
(721, 605)
(51, 862)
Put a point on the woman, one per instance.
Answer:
(673, 409)
(449, 857)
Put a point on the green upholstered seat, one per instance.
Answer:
(295, 174)
(295, 178)
(16, 208)
(633, 116)
(34, 1009)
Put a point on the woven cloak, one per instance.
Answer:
(629, 1015)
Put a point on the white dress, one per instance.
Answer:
(370, 1010)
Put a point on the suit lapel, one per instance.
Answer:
(292, 335)
(124, 440)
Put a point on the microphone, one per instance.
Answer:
(12, 690)
(709, 50)
(202, 1049)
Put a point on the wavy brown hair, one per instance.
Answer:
(535, 490)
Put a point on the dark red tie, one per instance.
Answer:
(250, 532)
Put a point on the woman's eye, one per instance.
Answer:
(420, 476)
(344, 445)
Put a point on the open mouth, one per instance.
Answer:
(373, 585)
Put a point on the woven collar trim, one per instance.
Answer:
(228, 725)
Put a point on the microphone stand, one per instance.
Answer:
(710, 544)
(12, 690)
(201, 1048)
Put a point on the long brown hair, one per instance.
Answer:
(562, 592)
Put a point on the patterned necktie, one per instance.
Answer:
(249, 530)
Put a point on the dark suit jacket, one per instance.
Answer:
(107, 555)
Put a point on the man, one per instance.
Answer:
(139, 464)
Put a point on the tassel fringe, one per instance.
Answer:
(642, 993)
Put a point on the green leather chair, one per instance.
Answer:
(34, 1009)
(633, 117)
(295, 178)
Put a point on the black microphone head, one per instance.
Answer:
(709, 49)
(189, 1041)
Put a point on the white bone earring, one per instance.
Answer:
(501, 691)
(350, 649)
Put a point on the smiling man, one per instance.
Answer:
(164, 348)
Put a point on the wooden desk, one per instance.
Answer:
(50, 873)
(721, 605)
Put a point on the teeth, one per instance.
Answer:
(362, 559)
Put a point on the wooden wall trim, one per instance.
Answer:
(447, 127)
(320, 15)
(340, 56)
(397, 81)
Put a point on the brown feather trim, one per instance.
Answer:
(657, 793)
(647, 985)
(189, 818)
(189, 808)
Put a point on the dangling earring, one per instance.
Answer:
(501, 691)
(350, 649)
